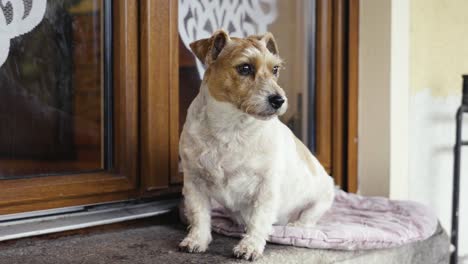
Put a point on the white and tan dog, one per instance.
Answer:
(235, 150)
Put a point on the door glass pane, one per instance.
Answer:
(51, 87)
(291, 24)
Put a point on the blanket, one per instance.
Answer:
(354, 222)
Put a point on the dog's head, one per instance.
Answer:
(243, 72)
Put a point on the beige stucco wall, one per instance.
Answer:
(439, 45)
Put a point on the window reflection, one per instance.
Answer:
(51, 93)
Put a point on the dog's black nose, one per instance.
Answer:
(276, 101)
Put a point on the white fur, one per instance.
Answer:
(252, 168)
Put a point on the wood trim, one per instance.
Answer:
(126, 88)
(66, 190)
(324, 84)
(66, 202)
(47, 188)
(353, 85)
(175, 176)
(338, 89)
(159, 93)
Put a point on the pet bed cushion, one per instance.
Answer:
(354, 222)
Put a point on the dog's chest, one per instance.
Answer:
(226, 161)
(231, 170)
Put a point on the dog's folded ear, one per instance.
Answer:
(269, 41)
(207, 50)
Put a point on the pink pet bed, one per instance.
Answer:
(354, 222)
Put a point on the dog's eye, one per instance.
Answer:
(275, 70)
(245, 69)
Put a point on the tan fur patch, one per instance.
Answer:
(305, 155)
(245, 92)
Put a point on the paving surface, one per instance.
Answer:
(156, 239)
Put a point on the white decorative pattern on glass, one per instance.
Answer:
(199, 18)
(18, 17)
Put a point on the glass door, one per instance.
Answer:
(293, 25)
(67, 131)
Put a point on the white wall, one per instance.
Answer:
(432, 136)
(374, 94)
(383, 98)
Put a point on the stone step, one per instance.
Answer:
(157, 242)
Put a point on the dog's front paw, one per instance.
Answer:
(192, 245)
(249, 249)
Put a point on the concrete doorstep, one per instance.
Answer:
(155, 240)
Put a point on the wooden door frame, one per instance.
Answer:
(352, 96)
(159, 69)
(337, 47)
(118, 183)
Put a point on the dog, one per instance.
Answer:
(236, 151)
